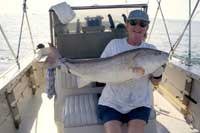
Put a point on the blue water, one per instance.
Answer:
(11, 25)
(40, 30)
(175, 28)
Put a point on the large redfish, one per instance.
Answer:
(132, 64)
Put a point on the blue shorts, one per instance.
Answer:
(106, 114)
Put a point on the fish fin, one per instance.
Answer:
(138, 70)
(82, 83)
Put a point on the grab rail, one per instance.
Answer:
(110, 6)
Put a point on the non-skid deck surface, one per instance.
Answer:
(39, 116)
(170, 117)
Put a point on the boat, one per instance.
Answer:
(25, 107)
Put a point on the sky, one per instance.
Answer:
(172, 9)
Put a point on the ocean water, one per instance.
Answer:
(175, 28)
(40, 30)
(11, 25)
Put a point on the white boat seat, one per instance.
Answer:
(80, 110)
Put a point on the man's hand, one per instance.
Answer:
(156, 76)
(138, 70)
(155, 80)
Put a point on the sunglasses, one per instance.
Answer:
(142, 23)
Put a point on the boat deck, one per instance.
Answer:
(38, 118)
(170, 117)
(37, 110)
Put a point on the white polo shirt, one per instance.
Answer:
(129, 95)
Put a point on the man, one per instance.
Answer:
(128, 102)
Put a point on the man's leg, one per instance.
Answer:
(136, 126)
(111, 118)
(137, 119)
(113, 126)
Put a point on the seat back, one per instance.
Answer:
(85, 45)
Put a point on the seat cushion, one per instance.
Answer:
(80, 110)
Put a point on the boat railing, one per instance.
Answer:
(144, 6)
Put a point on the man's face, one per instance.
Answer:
(137, 29)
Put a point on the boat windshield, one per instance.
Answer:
(101, 15)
